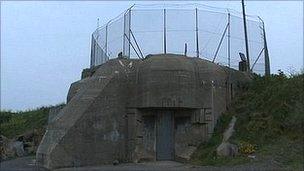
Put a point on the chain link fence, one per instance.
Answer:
(195, 30)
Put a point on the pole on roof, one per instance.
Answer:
(196, 30)
(228, 97)
(246, 38)
(92, 51)
(106, 45)
(124, 39)
(228, 40)
(165, 41)
(127, 28)
(129, 50)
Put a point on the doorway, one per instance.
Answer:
(165, 135)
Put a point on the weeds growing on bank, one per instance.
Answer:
(270, 118)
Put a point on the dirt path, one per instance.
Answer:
(170, 166)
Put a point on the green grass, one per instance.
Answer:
(270, 115)
(287, 152)
(13, 124)
(206, 153)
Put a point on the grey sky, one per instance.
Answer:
(45, 45)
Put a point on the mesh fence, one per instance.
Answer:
(212, 34)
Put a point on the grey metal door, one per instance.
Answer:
(165, 136)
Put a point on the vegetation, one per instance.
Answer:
(13, 124)
(269, 125)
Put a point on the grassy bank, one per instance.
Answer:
(270, 118)
(13, 124)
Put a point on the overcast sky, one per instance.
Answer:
(45, 45)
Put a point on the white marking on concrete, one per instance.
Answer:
(121, 63)
(228, 133)
(130, 64)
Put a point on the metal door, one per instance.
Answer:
(165, 136)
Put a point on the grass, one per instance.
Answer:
(13, 124)
(288, 153)
(270, 116)
(206, 153)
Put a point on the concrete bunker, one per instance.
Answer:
(157, 107)
(132, 110)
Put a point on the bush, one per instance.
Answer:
(246, 148)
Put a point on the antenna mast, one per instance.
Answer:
(246, 39)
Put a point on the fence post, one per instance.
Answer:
(106, 45)
(229, 40)
(266, 54)
(196, 30)
(123, 35)
(228, 95)
(126, 33)
(246, 38)
(92, 51)
(129, 50)
(165, 41)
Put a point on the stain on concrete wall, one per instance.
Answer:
(149, 137)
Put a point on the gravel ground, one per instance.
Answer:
(20, 164)
(28, 164)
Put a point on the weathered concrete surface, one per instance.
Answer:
(111, 112)
(226, 148)
(230, 130)
(54, 111)
(90, 122)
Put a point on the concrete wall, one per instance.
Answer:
(110, 113)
